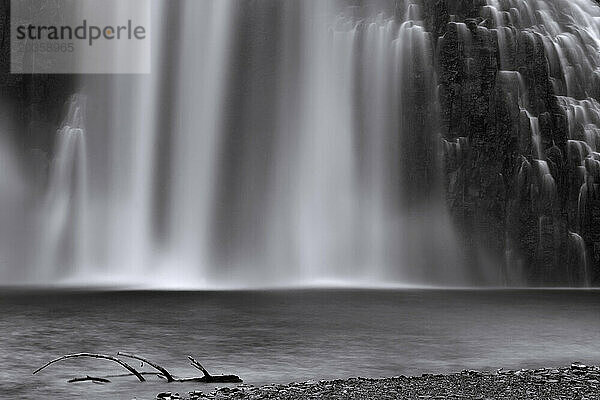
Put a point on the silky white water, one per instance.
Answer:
(278, 144)
(262, 150)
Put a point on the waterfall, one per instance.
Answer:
(568, 34)
(292, 145)
(15, 226)
(289, 142)
(63, 238)
(579, 273)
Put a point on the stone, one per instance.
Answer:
(578, 366)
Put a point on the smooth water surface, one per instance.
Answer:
(284, 336)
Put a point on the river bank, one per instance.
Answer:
(577, 381)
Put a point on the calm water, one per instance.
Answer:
(286, 336)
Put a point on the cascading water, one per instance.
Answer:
(14, 226)
(63, 240)
(568, 32)
(298, 143)
(262, 150)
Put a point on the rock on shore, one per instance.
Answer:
(575, 382)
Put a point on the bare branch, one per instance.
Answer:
(92, 355)
(89, 378)
(157, 367)
(196, 364)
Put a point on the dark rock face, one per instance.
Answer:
(512, 205)
(34, 103)
(472, 112)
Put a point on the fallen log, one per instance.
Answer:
(157, 367)
(89, 378)
(92, 355)
(213, 379)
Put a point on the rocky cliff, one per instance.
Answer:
(518, 114)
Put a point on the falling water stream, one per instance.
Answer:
(262, 150)
(285, 143)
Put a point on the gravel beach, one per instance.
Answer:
(577, 381)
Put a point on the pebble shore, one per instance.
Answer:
(577, 381)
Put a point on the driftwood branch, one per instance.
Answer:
(143, 373)
(163, 373)
(196, 364)
(89, 378)
(92, 355)
(157, 367)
